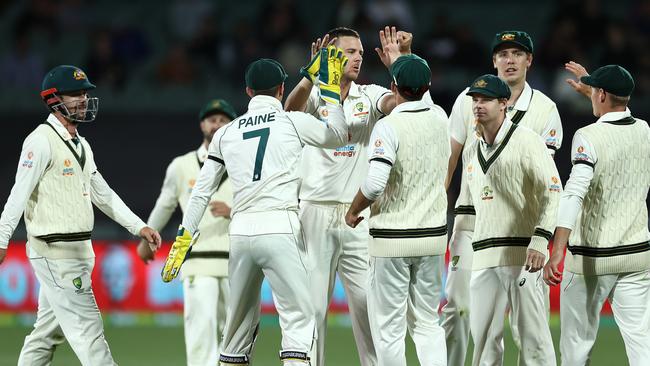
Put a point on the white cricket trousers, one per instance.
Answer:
(404, 293)
(493, 290)
(66, 311)
(456, 312)
(333, 247)
(204, 310)
(279, 258)
(581, 300)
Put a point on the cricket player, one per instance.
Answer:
(57, 182)
(205, 274)
(514, 188)
(331, 178)
(260, 150)
(512, 55)
(408, 220)
(603, 209)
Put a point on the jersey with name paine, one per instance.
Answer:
(262, 148)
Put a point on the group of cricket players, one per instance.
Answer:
(349, 179)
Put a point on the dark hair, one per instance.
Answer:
(343, 32)
(272, 92)
(411, 94)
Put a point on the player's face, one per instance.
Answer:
(211, 124)
(353, 50)
(512, 63)
(487, 109)
(76, 103)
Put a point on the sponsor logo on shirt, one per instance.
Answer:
(345, 151)
(581, 155)
(379, 149)
(68, 170)
(551, 139)
(28, 163)
(487, 193)
(470, 172)
(555, 185)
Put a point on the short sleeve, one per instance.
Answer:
(457, 118)
(553, 133)
(376, 93)
(582, 151)
(384, 144)
(313, 102)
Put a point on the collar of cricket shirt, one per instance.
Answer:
(59, 128)
(355, 90)
(413, 106)
(264, 101)
(617, 118)
(523, 102)
(500, 141)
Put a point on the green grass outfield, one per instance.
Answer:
(156, 345)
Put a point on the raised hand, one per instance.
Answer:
(393, 45)
(579, 71)
(332, 64)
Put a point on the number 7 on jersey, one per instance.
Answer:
(263, 134)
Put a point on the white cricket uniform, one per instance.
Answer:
(261, 152)
(534, 110)
(608, 257)
(514, 188)
(330, 179)
(57, 182)
(408, 229)
(205, 271)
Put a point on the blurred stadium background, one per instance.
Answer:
(156, 63)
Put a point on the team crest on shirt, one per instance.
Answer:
(555, 185)
(324, 112)
(487, 193)
(68, 170)
(360, 110)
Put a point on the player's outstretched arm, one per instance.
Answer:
(297, 99)
(579, 71)
(394, 44)
(335, 132)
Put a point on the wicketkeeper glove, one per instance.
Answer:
(311, 70)
(178, 253)
(332, 64)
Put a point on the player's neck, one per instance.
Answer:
(491, 129)
(515, 91)
(70, 126)
(206, 143)
(345, 88)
